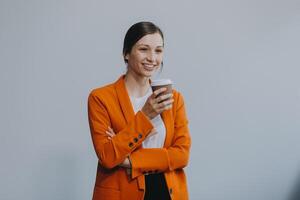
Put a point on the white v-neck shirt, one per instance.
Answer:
(156, 140)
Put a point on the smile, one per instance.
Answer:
(149, 67)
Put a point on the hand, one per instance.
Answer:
(110, 132)
(153, 132)
(157, 104)
(126, 163)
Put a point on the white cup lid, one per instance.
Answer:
(160, 82)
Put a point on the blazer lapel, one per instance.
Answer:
(124, 99)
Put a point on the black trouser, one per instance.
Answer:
(156, 187)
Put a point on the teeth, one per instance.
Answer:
(149, 66)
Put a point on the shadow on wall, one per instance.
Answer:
(56, 175)
(295, 193)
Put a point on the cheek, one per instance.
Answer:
(138, 57)
(134, 59)
(160, 58)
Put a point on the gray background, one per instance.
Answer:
(236, 63)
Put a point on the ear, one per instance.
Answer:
(126, 56)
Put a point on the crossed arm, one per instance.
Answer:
(117, 149)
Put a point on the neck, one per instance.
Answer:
(136, 85)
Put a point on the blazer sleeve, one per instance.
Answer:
(113, 152)
(165, 159)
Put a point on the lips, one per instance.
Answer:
(149, 67)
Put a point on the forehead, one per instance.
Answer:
(151, 40)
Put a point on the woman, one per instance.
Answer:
(141, 138)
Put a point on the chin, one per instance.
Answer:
(148, 73)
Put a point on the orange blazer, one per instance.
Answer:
(111, 106)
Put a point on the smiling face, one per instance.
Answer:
(146, 55)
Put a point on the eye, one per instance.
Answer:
(143, 49)
(159, 50)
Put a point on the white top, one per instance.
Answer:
(157, 139)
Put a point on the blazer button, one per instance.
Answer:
(130, 144)
(135, 140)
(140, 136)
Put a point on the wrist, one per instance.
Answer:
(145, 113)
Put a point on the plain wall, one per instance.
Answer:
(237, 64)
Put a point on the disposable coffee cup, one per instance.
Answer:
(160, 83)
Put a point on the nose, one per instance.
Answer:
(151, 56)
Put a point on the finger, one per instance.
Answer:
(165, 108)
(166, 99)
(165, 104)
(153, 132)
(168, 107)
(109, 133)
(163, 97)
(160, 90)
(109, 138)
(111, 130)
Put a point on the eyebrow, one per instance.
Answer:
(148, 45)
